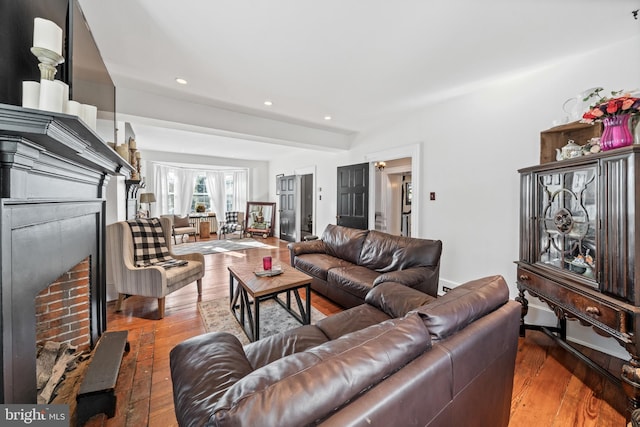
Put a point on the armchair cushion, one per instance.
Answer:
(179, 221)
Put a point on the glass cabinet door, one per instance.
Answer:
(567, 219)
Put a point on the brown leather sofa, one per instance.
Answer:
(346, 263)
(403, 358)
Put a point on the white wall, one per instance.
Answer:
(472, 146)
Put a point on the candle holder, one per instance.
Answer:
(49, 60)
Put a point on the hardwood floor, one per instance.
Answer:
(551, 387)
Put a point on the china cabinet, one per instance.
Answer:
(579, 223)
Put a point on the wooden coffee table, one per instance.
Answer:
(247, 290)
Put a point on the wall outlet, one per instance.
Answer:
(446, 289)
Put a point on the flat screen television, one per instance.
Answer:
(83, 70)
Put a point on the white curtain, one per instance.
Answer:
(215, 187)
(161, 190)
(184, 194)
(240, 190)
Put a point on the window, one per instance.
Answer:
(228, 191)
(168, 181)
(171, 193)
(200, 194)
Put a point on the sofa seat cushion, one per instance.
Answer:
(305, 387)
(206, 366)
(318, 265)
(352, 320)
(274, 347)
(353, 279)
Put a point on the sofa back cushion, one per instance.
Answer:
(463, 305)
(344, 242)
(384, 252)
(305, 387)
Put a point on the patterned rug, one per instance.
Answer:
(217, 317)
(216, 246)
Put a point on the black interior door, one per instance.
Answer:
(287, 194)
(353, 196)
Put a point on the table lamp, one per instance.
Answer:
(147, 198)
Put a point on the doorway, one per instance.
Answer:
(393, 194)
(297, 205)
(306, 205)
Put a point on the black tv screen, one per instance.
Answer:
(83, 70)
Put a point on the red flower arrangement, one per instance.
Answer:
(608, 107)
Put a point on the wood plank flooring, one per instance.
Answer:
(551, 387)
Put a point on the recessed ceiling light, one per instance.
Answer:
(181, 81)
(327, 117)
(268, 103)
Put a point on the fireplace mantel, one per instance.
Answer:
(53, 176)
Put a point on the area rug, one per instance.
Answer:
(217, 246)
(217, 317)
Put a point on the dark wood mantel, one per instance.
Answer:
(53, 176)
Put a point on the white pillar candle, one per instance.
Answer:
(65, 94)
(31, 94)
(74, 108)
(90, 115)
(47, 35)
(50, 96)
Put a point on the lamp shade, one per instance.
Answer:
(147, 198)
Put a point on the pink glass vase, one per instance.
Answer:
(616, 132)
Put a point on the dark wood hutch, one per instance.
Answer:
(579, 222)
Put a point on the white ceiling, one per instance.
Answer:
(363, 62)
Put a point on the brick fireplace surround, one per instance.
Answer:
(53, 177)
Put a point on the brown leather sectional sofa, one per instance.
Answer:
(346, 263)
(403, 358)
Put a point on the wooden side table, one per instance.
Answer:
(205, 229)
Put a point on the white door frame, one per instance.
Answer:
(412, 151)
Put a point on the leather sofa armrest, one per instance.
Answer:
(309, 247)
(463, 305)
(203, 368)
(396, 299)
(424, 279)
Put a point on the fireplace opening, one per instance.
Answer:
(63, 329)
(63, 310)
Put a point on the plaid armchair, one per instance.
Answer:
(140, 261)
(233, 222)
